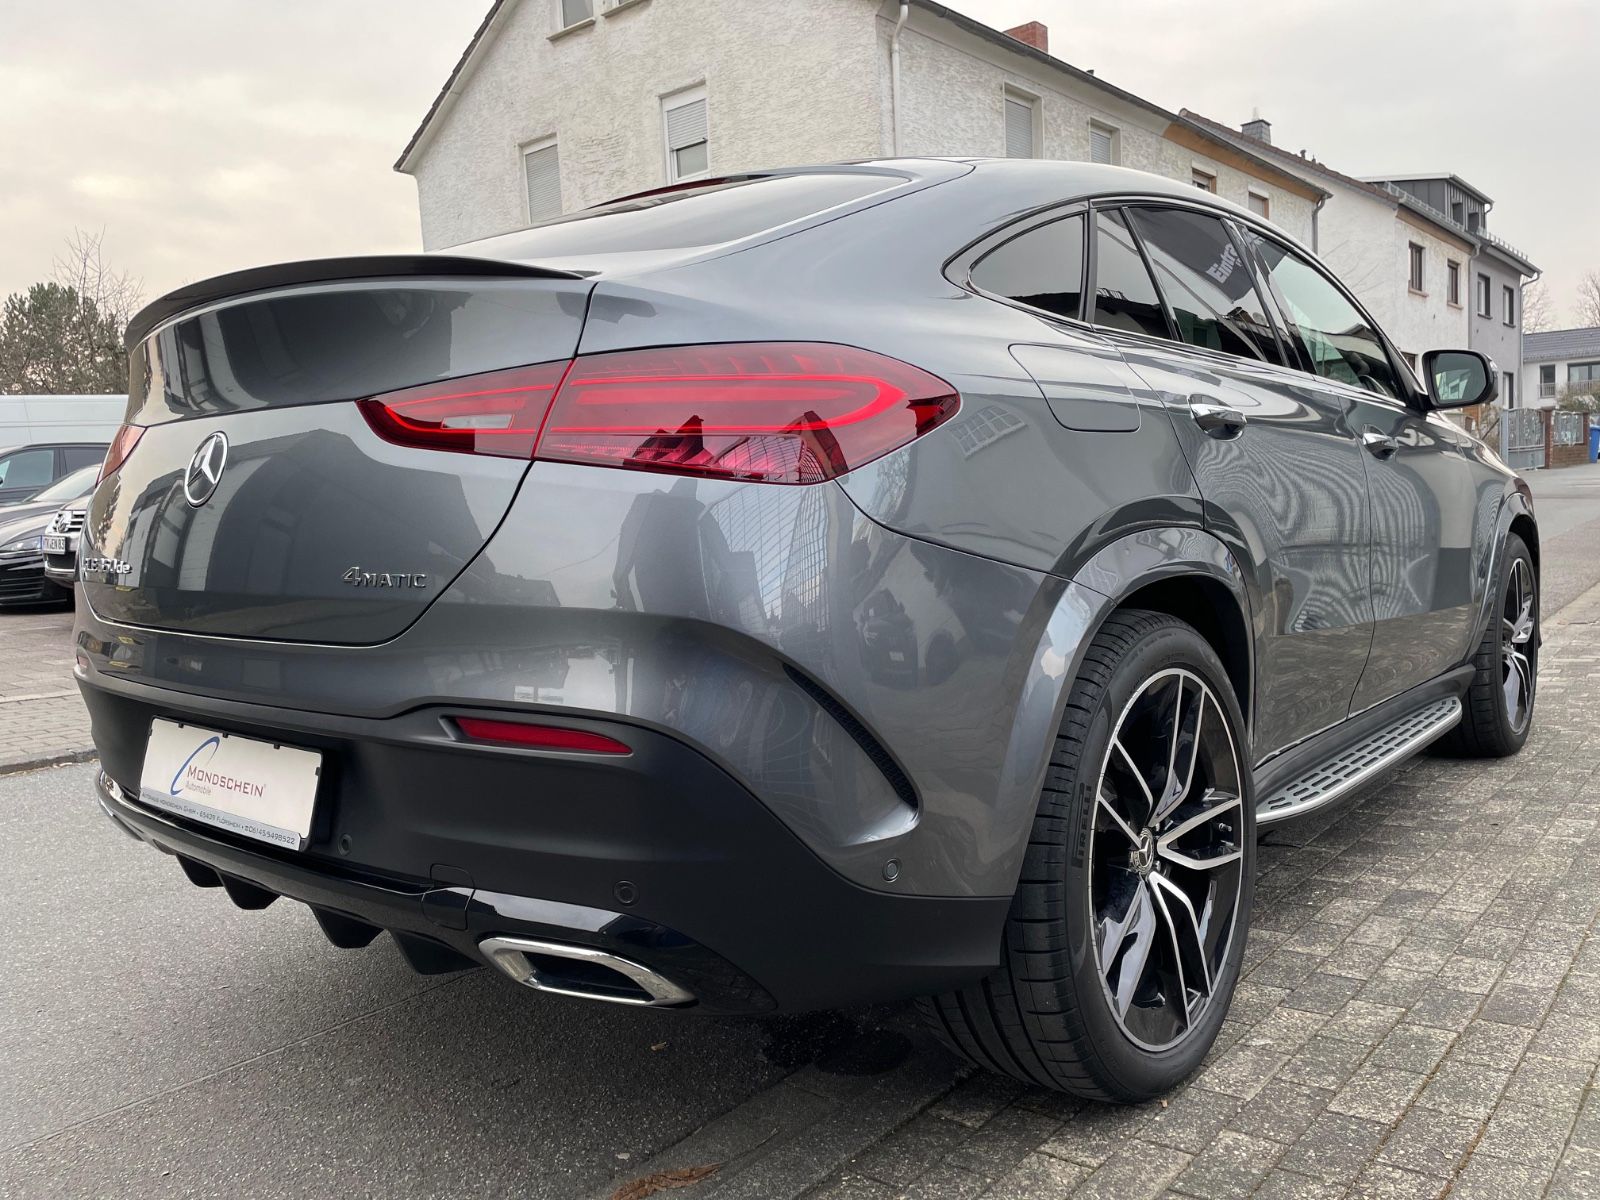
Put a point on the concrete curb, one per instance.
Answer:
(61, 759)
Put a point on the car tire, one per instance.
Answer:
(1050, 1015)
(1492, 725)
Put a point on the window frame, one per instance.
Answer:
(1508, 300)
(1255, 193)
(671, 102)
(1114, 139)
(1196, 174)
(1508, 390)
(1593, 367)
(1547, 391)
(1452, 278)
(1287, 356)
(1014, 95)
(551, 141)
(1484, 305)
(965, 262)
(558, 10)
(1416, 268)
(1404, 377)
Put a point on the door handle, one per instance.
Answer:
(1377, 443)
(1218, 420)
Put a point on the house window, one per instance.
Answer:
(1456, 211)
(1508, 301)
(1415, 281)
(683, 119)
(1508, 390)
(1547, 381)
(1452, 270)
(1204, 180)
(1588, 372)
(541, 172)
(1485, 308)
(575, 12)
(1260, 204)
(1103, 147)
(1022, 125)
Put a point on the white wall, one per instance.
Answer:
(1364, 241)
(954, 86)
(26, 419)
(786, 84)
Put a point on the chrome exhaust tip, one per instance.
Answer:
(581, 971)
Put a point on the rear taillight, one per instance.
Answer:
(775, 413)
(121, 446)
(498, 413)
(538, 737)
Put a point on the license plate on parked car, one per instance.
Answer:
(55, 543)
(254, 788)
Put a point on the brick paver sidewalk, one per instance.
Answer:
(42, 718)
(1420, 1017)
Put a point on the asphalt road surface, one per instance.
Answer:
(157, 1041)
(1567, 503)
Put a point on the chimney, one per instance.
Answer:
(1032, 34)
(1256, 128)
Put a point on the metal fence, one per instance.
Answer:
(1568, 429)
(1525, 438)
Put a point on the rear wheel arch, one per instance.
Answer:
(1211, 608)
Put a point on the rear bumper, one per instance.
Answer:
(660, 857)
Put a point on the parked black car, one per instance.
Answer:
(25, 471)
(23, 529)
(918, 578)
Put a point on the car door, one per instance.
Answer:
(1422, 487)
(1275, 456)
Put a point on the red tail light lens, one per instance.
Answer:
(538, 737)
(498, 413)
(121, 446)
(777, 413)
(774, 413)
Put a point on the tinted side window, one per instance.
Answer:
(28, 468)
(1124, 296)
(1206, 283)
(82, 456)
(1043, 267)
(1337, 341)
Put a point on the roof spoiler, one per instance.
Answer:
(326, 270)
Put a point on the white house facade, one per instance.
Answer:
(1408, 265)
(1558, 362)
(560, 104)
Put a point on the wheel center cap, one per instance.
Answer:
(1143, 855)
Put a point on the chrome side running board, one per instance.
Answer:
(1349, 769)
(581, 971)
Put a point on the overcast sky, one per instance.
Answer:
(205, 135)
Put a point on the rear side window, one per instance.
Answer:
(1206, 283)
(688, 218)
(1124, 296)
(1042, 268)
(1336, 338)
(83, 456)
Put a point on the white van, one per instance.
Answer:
(25, 420)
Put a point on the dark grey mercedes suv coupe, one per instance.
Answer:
(816, 587)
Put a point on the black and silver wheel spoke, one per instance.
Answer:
(1518, 623)
(1166, 857)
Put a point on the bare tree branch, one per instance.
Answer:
(81, 266)
(1538, 310)
(1589, 299)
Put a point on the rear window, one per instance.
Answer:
(706, 215)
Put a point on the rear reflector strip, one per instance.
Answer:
(769, 412)
(538, 737)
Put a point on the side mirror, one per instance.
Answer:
(1459, 378)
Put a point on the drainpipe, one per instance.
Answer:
(1315, 249)
(894, 75)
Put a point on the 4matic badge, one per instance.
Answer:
(356, 577)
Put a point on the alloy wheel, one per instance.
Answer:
(1518, 621)
(1166, 858)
